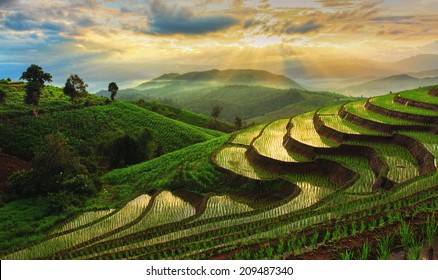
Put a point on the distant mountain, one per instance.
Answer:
(425, 74)
(422, 62)
(348, 68)
(248, 77)
(244, 93)
(385, 85)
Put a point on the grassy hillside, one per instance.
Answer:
(186, 116)
(238, 100)
(87, 124)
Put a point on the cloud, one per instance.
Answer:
(306, 27)
(163, 19)
(19, 22)
(395, 19)
(7, 3)
(335, 3)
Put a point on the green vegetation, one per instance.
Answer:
(386, 101)
(303, 130)
(186, 116)
(358, 108)
(270, 143)
(35, 77)
(90, 127)
(420, 94)
(254, 96)
(331, 119)
(179, 192)
(233, 158)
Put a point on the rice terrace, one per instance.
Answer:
(219, 130)
(351, 181)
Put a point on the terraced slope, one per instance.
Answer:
(355, 171)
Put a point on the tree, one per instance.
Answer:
(35, 77)
(238, 123)
(2, 96)
(75, 87)
(113, 88)
(216, 111)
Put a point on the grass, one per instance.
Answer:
(361, 166)
(233, 158)
(188, 117)
(314, 212)
(419, 94)
(402, 166)
(384, 246)
(87, 128)
(189, 169)
(331, 119)
(270, 143)
(83, 219)
(358, 108)
(428, 140)
(125, 215)
(222, 206)
(166, 208)
(386, 101)
(52, 99)
(304, 131)
(246, 136)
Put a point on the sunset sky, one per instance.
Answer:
(129, 41)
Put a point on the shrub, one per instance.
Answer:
(22, 184)
(81, 185)
(61, 202)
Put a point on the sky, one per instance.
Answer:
(135, 40)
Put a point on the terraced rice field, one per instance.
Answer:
(270, 143)
(327, 205)
(331, 119)
(388, 102)
(358, 108)
(303, 130)
(419, 95)
(234, 159)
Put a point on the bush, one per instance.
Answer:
(22, 184)
(80, 185)
(61, 201)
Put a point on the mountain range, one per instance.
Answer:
(244, 93)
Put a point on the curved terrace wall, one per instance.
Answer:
(378, 126)
(422, 156)
(415, 103)
(433, 92)
(338, 173)
(400, 115)
(377, 164)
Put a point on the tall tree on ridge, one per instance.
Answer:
(35, 77)
(113, 88)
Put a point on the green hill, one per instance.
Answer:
(248, 94)
(186, 116)
(86, 125)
